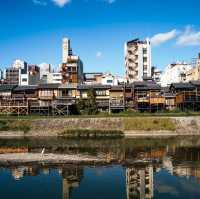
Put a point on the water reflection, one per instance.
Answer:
(140, 168)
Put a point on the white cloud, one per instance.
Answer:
(99, 54)
(61, 3)
(163, 37)
(40, 2)
(189, 37)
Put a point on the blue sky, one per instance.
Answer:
(32, 30)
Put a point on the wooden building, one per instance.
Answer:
(102, 94)
(6, 90)
(117, 98)
(147, 96)
(27, 92)
(187, 95)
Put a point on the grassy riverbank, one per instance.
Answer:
(149, 124)
(15, 125)
(175, 113)
(93, 127)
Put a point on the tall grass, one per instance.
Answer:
(15, 125)
(149, 124)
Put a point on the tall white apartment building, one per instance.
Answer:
(137, 60)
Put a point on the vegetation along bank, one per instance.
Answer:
(100, 127)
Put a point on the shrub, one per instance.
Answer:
(87, 133)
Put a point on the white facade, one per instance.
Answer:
(22, 66)
(54, 78)
(24, 79)
(175, 73)
(44, 69)
(112, 80)
(107, 79)
(137, 60)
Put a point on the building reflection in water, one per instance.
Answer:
(71, 179)
(19, 172)
(139, 182)
(142, 163)
(71, 176)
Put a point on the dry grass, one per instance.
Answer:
(15, 125)
(149, 124)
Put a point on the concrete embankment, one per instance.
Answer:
(130, 126)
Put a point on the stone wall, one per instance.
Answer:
(55, 126)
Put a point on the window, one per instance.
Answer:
(145, 74)
(109, 81)
(24, 79)
(101, 93)
(144, 59)
(145, 67)
(144, 51)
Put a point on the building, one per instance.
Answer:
(103, 78)
(1, 75)
(175, 73)
(108, 79)
(54, 78)
(187, 95)
(45, 69)
(194, 73)
(92, 78)
(12, 76)
(148, 96)
(156, 74)
(66, 50)
(101, 92)
(22, 74)
(72, 66)
(137, 60)
(33, 75)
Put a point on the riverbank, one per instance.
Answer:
(38, 158)
(100, 127)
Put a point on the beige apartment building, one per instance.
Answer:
(137, 60)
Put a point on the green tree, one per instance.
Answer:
(88, 106)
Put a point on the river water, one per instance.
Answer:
(136, 168)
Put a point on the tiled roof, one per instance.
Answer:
(7, 87)
(48, 86)
(23, 88)
(97, 86)
(182, 85)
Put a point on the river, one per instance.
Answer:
(135, 168)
